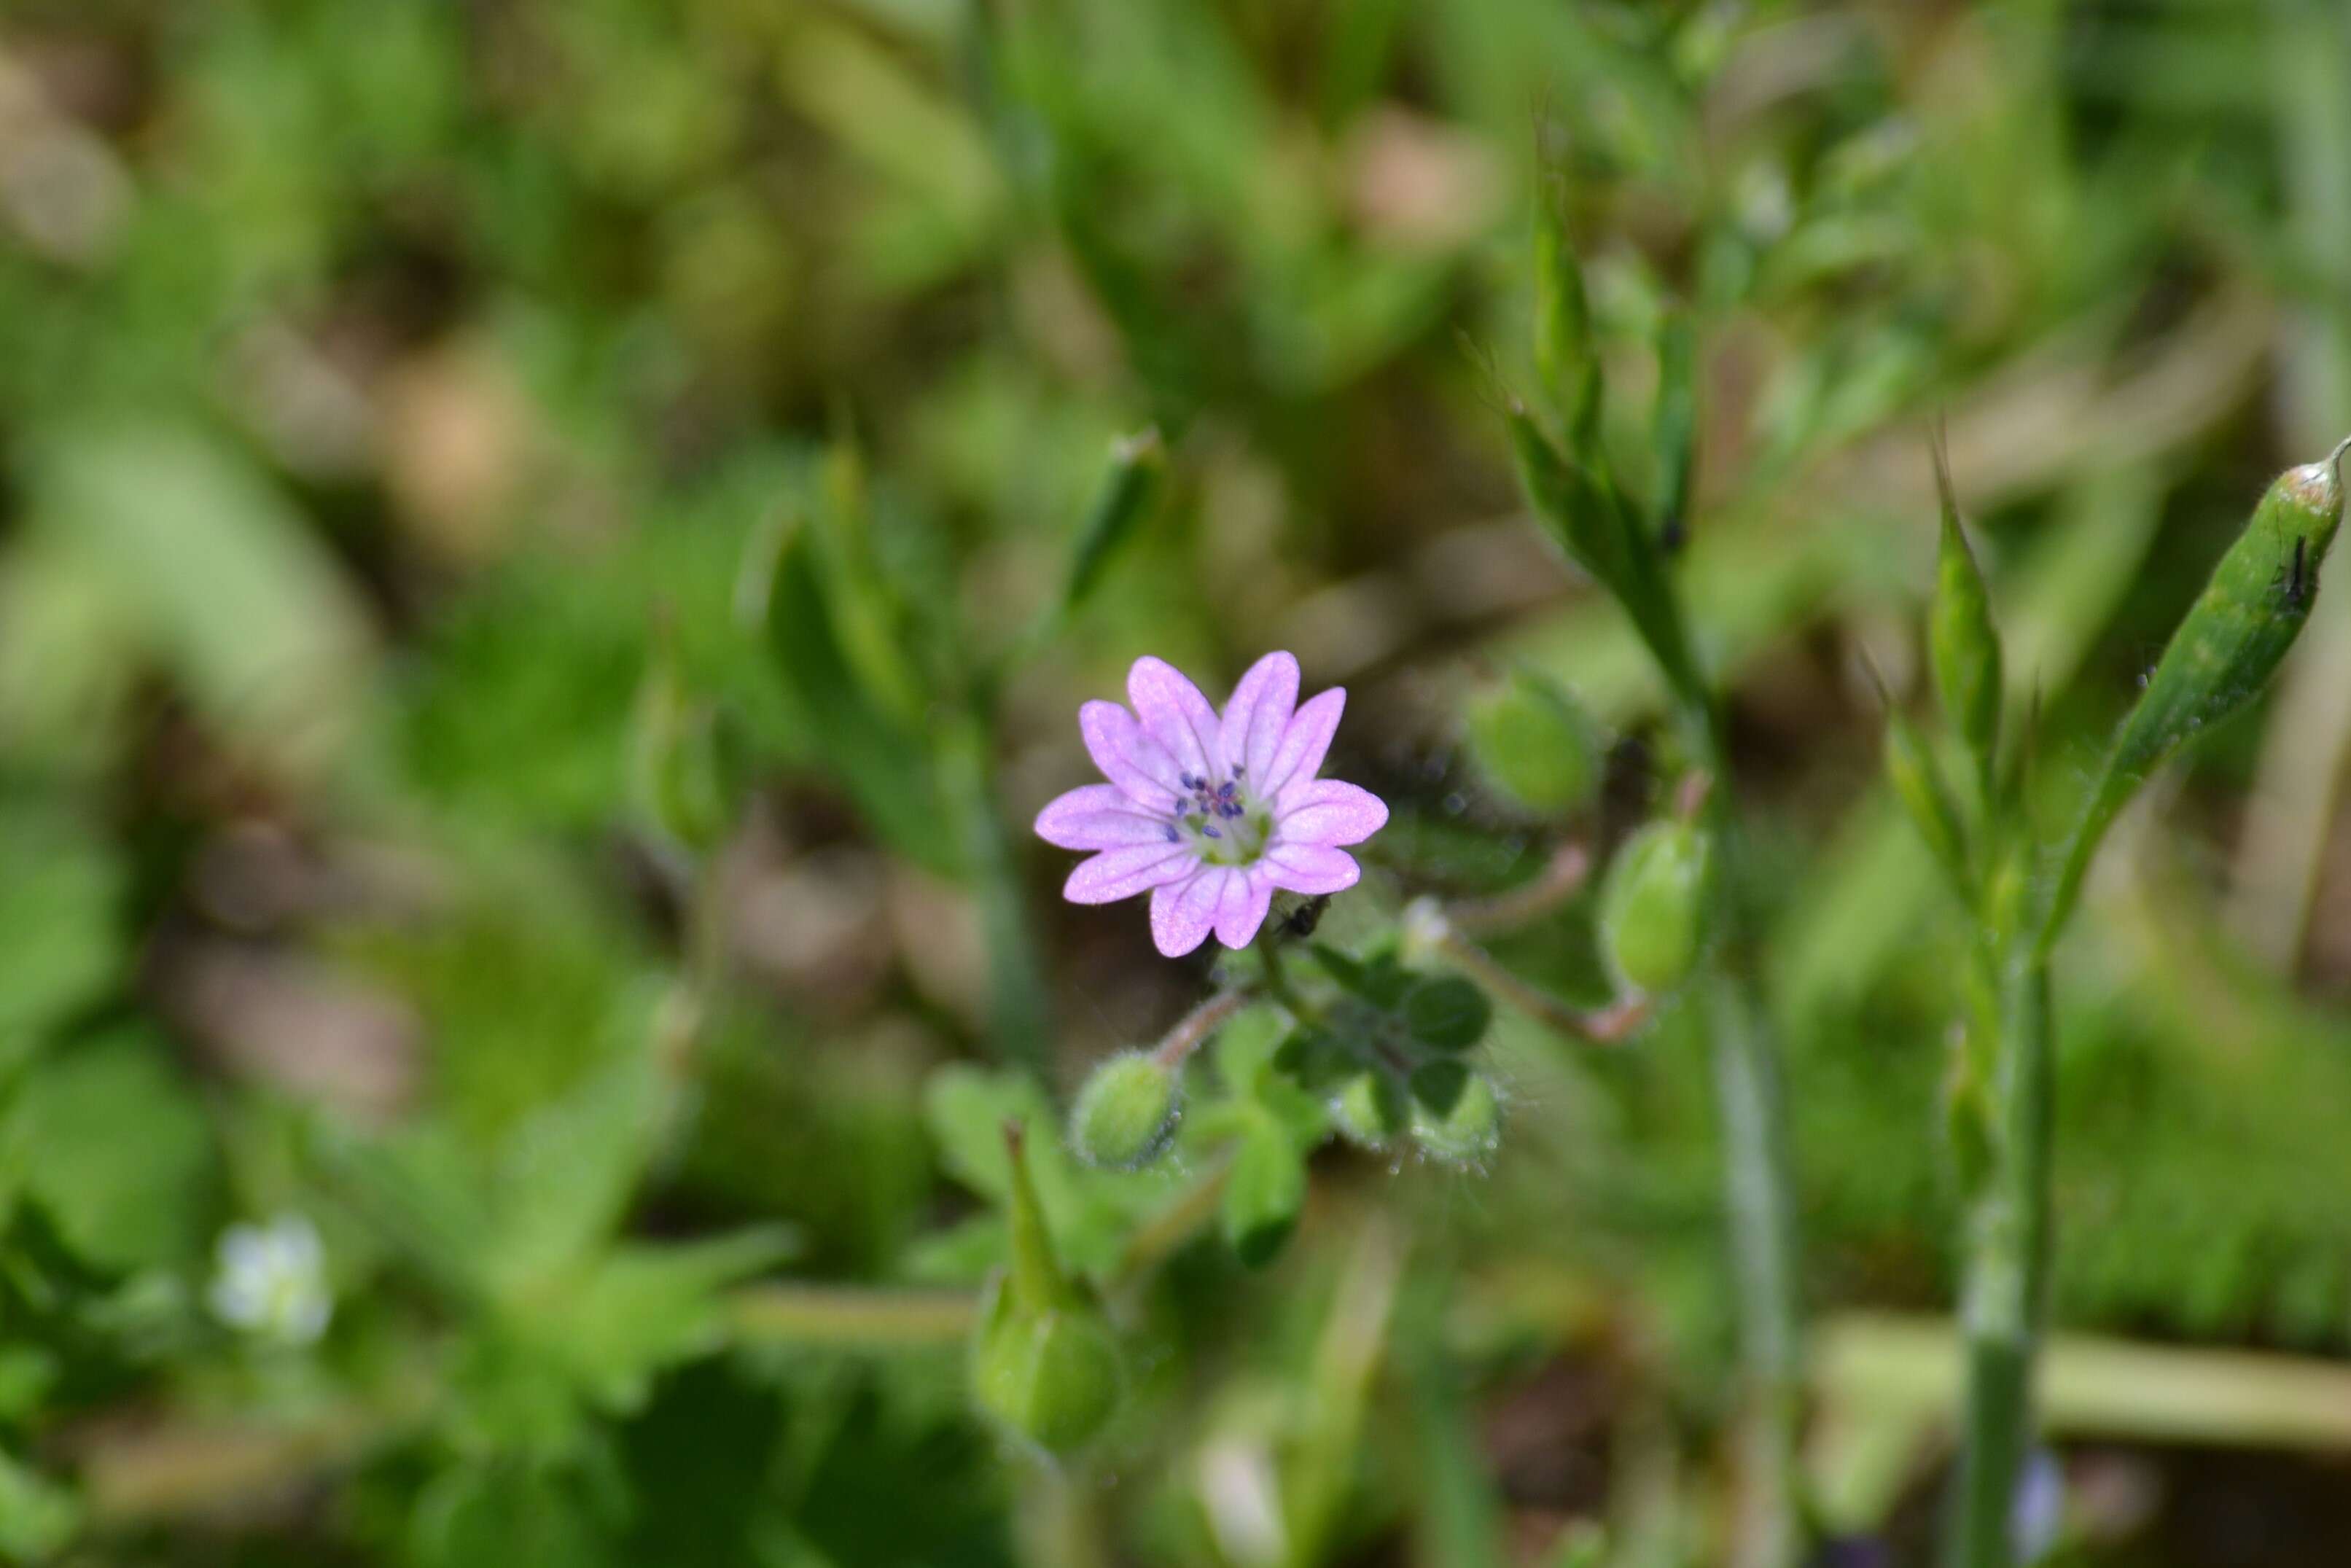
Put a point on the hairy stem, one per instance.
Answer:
(2005, 1298)
(1763, 1256)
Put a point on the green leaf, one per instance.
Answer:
(1138, 465)
(643, 1307)
(884, 763)
(1263, 1192)
(1438, 1086)
(1964, 643)
(1447, 1013)
(226, 578)
(58, 890)
(115, 1151)
(37, 1518)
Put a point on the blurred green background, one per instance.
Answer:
(403, 404)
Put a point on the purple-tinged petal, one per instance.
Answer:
(1327, 811)
(1128, 758)
(1181, 913)
(1100, 817)
(1304, 742)
(1114, 874)
(1311, 868)
(1241, 911)
(1176, 715)
(1258, 712)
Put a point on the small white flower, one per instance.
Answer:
(271, 1280)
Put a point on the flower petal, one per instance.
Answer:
(1128, 758)
(1181, 913)
(1258, 712)
(1100, 817)
(1305, 741)
(1242, 908)
(1114, 874)
(1311, 868)
(1176, 715)
(1328, 812)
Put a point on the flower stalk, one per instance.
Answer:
(1601, 531)
(2231, 640)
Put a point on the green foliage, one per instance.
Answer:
(546, 553)
(114, 1152)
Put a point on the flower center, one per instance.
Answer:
(1221, 820)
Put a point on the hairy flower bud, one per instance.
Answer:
(1044, 1360)
(1466, 1134)
(1370, 1111)
(1653, 910)
(1126, 1113)
(1535, 746)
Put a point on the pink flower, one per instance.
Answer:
(1210, 813)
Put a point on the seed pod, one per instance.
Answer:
(1963, 644)
(2231, 642)
(1469, 1131)
(1653, 910)
(1137, 465)
(1264, 1191)
(1044, 1361)
(1053, 1376)
(1126, 1113)
(1535, 746)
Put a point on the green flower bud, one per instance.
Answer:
(1653, 910)
(1963, 644)
(1535, 746)
(1126, 1113)
(1264, 1191)
(1052, 1377)
(2231, 642)
(1370, 1112)
(1044, 1361)
(1469, 1131)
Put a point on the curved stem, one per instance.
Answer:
(1569, 868)
(1194, 1027)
